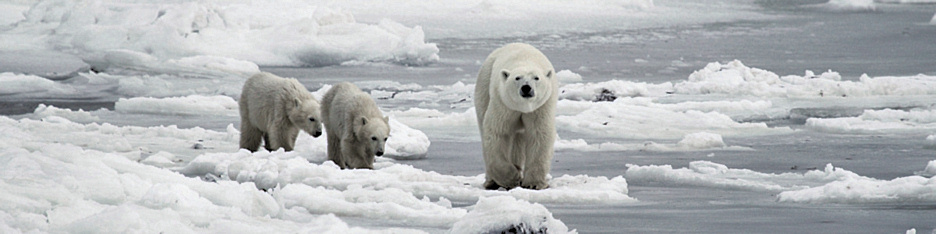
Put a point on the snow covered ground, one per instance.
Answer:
(674, 116)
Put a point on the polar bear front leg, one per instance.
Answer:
(497, 143)
(288, 137)
(499, 170)
(538, 140)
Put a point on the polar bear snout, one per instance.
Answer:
(526, 91)
(379, 153)
(316, 133)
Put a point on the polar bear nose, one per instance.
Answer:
(379, 153)
(526, 91)
(316, 133)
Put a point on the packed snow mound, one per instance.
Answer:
(702, 140)
(642, 118)
(29, 85)
(503, 214)
(906, 1)
(705, 143)
(405, 143)
(930, 142)
(281, 32)
(930, 169)
(849, 5)
(878, 121)
(122, 178)
(867, 190)
(271, 169)
(710, 174)
(734, 78)
(70, 189)
(188, 105)
(829, 185)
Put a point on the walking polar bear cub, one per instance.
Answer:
(273, 109)
(355, 127)
(515, 100)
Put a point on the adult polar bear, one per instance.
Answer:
(355, 127)
(273, 108)
(515, 100)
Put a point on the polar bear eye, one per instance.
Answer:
(385, 139)
(518, 78)
(312, 119)
(536, 78)
(373, 138)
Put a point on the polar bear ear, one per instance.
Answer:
(549, 74)
(297, 102)
(386, 119)
(505, 74)
(363, 121)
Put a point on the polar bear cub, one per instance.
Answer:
(273, 109)
(356, 129)
(515, 102)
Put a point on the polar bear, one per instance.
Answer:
(356, 129)
(515, 100)
(273, 108)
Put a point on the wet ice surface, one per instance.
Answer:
(703, 156)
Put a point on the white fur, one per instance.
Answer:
(356, 128)
(273, 109)
(517, 133)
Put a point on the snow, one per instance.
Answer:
(284, 32)
(714, 175)
(491, 213)
(735, 78)
(878, 121)
(850, 5)
(829, 185)
(930, 170)
(117, 178)
(188, 105)
(165, 157)
(567, 76)
(930, 142)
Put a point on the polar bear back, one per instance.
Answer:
(344, 102)
(266, 89)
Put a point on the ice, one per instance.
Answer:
(284, 32)
(700, 141)
(567, 76)
(735, 78)
(867, 190)
(878, 121)
(850, 5)
(29, 85)
(641, 118)
(829, 185)
(270, 169)
(930, 170)
(110, 178)
(714, 175)
(188, 105)
(502, 213)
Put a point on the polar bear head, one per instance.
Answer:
(372, 133)
(305, 115)
(525, 89)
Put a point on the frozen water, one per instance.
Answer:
(122, 116)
